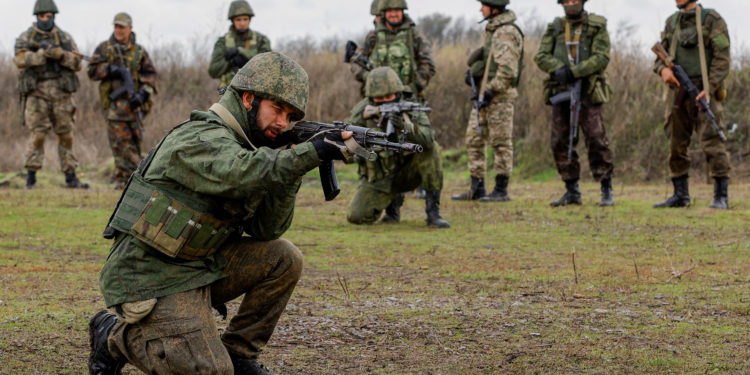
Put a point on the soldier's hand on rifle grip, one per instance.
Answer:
(564, 75)
(113, 71)
(139, 98)
(230, 53)
(698, 98)
(488, 95)
(54, 53)
(329, 151)
(667, 75)
(397, 119)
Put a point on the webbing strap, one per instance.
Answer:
(227, 116)
(702, 52)
(573, 45)
(483, 86)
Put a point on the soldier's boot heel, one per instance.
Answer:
(248, 366)
(72, 181)
(608, 196)
(721, 194)
(30, 180)
(500, 193)
(681, 196)
(432, 208)
(475, 192)
(393, 211)
(572, 195)
(100, 359)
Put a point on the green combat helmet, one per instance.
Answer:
(276, 77)
(382, 81)
(239, 8)
(393, 4)
(496, 3)
(45, 6)
(376, 8)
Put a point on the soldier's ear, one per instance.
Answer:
(247, 100)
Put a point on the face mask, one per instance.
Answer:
(46, 25)
(574, 11)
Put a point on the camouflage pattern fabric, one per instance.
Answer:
(125, 150)
(141, 67)
(591, 125)
(50, 109)
(507, 45)
(179, 336)
(497, 127)
(249, 45)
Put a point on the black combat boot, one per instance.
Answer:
(100, 359)
(475, 192)
(72, 181)
(721, 193)
(608, 196)
(30, 180)
(500, 194)
(248, 366)
(393, 211)
(572, 195)
(432, 208)
(681, 197)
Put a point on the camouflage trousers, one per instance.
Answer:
(375, 194)
(497, 126)
(179, 335)
(682, 123)
(47, 113)
(591, 124)
(125, 149)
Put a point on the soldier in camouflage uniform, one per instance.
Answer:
(48, 60)
(503, 50)
(237, 46)
(586, 59)
(680, 38)
(396, 43)
(178, 230)
(112, 62)
(383, 181)
(375, 10)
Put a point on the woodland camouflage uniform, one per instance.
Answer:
(225, 65)
(46, 83)
(593, 58)
(123, 130)
(684, 119)
(207, 165)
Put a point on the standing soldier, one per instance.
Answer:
(237, 46)
(577, 48)
(383, 181)
(376, 11)
(397, 44)
(495, 69)
(128, 84)
(704, 54)
(48, 59)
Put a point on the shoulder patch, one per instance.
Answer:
(597, 20)
(721, 41)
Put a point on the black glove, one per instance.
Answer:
(468, 78)
(114, 71)
(327, 151)
(139, 98)
(397, 120)
(239, 60)
(488, 95)
(45, 45)
(230, 53)
(564, 75)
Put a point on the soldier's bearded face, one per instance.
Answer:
(394, 16)
(241, 23)
(273, 118)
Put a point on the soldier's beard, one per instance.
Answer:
(46, 25)
(259, 138)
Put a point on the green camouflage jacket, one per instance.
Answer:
(412, 60)
(204, 158)
(140, 66)
(248, 44)
(716, 42)
(419, 131)
(34, 66)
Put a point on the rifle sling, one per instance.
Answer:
(702, 52)
(227, 116)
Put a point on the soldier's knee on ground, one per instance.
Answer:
(360, 217)
(65, 140)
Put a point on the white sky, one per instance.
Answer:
(158, 22)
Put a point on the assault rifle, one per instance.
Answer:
(688, 87)
(475, 102)
(385, 109)
(365, 143)
(127, 88)
(353, 56)
(573, 96)
(44, 45)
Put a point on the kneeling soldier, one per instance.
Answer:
(383, 181)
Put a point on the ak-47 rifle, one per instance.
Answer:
(127, 88)
(353, 56)
(44, 45)
(574, 97)
(365, 143)
(385, 109)
(688, 87)
(475, 103)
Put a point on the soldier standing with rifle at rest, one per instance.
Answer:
(575, 52)
(48, 59)
(703, 53)
(127, 88)
(240, 44)
(494, 74)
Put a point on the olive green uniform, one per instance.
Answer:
(593, 58)
(394, 173)
(248, 190)
(46, 85)
(505, 41)
(680, 38)
(248, 44)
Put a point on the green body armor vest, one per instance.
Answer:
(399, 55)
(132, 62)
(230, 41)
(686, 52)
(29, 77)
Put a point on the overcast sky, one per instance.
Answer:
(158, 22)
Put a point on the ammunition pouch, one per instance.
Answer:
(600, 88)
(69, 81)
(104, 89)
(721, 94)
(26, 82)
(173, 223)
